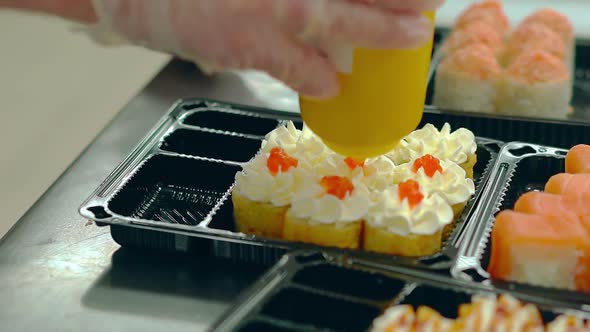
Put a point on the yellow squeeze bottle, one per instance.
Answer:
(380, 102)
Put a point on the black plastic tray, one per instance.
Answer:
(178, 181)
(320, 292)
(520, 168)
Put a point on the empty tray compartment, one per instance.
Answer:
(244, 123)
(310, 308)
(343, 281)
(174, 189)
(211, 145)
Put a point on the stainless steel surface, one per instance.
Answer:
(61, 273)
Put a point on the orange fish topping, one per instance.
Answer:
(352, 164)
(280, 161)
(429, 163)
(337, 186)
(410, 190)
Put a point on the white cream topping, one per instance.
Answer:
(285, 137)
(452, 184)
(301, 144)
(389, 212)
(445, 145)
(312, 202)
(398, 318)
(256, 183)
(376, 173)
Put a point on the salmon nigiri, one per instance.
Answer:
(578, 159)
(535, 202)
(568, 184)
(538, 250)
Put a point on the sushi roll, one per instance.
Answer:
(397, 318)
(578, 159)
(539, 250)
(438, 177)
(567, 323)
(263, 191)
(467, 80)
(568, 184)
(402, 221)
(535, 202)
(457, 146)
(534, 36)
(560, 24)
(536, 84)
(490, 12)
(476, 33)
(327, 211)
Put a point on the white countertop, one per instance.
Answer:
(58, 90)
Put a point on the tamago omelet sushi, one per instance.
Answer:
(403, 221)
(439, 177)
(264, 188)
(467, 80)
(328, 211)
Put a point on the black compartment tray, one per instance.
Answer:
(309, 291)
(520, 168)
(178, 182)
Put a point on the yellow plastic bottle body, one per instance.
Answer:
(380, 102)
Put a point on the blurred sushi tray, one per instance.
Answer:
(477, 221)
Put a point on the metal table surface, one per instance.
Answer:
(59, 272)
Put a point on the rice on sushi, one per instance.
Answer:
(536, 84)
(467, 80)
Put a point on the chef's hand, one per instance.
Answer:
(268, 34)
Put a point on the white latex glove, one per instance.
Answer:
(288, 39)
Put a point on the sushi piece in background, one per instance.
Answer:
(467, 80)
(490, 12)
(549, 251)
(560, 24)
(534, 36)
(568, 184)
(535, 202)
(475, 33)
(578, 159)
(536, 84)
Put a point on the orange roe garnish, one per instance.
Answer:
(280, 161)
(337, 186)
(410, 190)
(353, 164)
(429, 163)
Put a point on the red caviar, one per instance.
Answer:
(337, 186)
(353, 164)
(280, 161)
(410, 190)
(429, 163)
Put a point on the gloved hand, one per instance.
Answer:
(280, 37)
